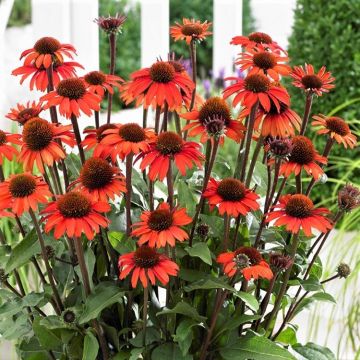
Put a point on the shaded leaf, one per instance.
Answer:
(184, 309)
(312, 351)
(169, 351)
(201, 251)
(91, 347)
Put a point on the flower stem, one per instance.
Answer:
(170, 185)
(50, 87)
(59, 306)
(144, 118)
(157, 119)
(165, 117)
(249, 132)
(253, 160)
(194, 71)
(145, 308)
(226, 231)
(112, 41)
(97, 120)
(308, 103)
(78, 137)
(86, 283)
(206, 181)
(129, 161)
(177, 123)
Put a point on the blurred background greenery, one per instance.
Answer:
(324, 32)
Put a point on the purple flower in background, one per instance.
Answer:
(207, 87)
(219, 81)
(187, 65)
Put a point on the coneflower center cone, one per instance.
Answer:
(37, 134)
(74, 205)
(72, 88)
(22, 185)
(146, 257)
(96, 173)
(160, 219)
(169, 143)
(299, 206)
(231, 189)
(257, 83)
(337, 125)
(311, 82)
(47, 45)
(162, 72)
(132, 132)
(303, 151)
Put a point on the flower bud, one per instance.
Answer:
(202, 230)
(349, 198)
(279, 262)
(343, 270)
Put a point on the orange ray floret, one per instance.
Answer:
(98, 82)
(303, 156)
(162, 226)
(46, 51)
(246, 261)
(73, 97)
(170, 146)
(99, 180)
(256, 88)
(231, 196)
(214, 111)
(39, 79)
(189, 30)
(158, 84)
(40, 144)
(23, 191)
(147, 265)
(297, 212)
(74, 214)
(7, 142)
(336, 128)
(306, 78)
(25, 112)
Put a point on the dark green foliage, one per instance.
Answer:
(21, 13)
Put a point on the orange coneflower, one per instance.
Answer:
(170, 146)
(23, 191)
(336, 128)
(99, 180)
(25, 112)
(46, 51)
(162, 226)
(232, 197)
(261, 61)
(309, 81)
(298, 212)
(158, 84)
(189, 30)
(93, 139)
(7, 149)
(40, 144)
(247, 261)
(256, 39)
(72, 96)
(126, 139)
(303, 156)
(75, 213)
(147, 265)
(98, 82)
(4, 213)
(39, 78)
(256, 88)
(213, 110)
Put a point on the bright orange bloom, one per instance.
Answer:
(147, 265)
(303, 156)
(190, 30)
(255, 40)
(40, 144)
(23, 191)
(39, 78)
(213, 117)
(7, 149)
(93, 139)
(99, 180)
(162, 226)
(256, 87)
(72, 97)
(4, 213)
(247, 261)
(261, 61)
(25, 112)
(46, 51)
(98, 82)
(232, 196)
(158, 84)
(74, 214)
(336, 128)
(298, 212)
(127, 138)
(170, 146)
(309, 81)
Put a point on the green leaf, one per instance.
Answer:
(121, 243)
(103, 295)
(254, 347)
(201, 251)
(184, 335)
(311, 351)
(90, 260)
(49, 339)
(16, 305)
(287, 336)
(209, 283)
(169, 351)
(248, 299)
(186, 198)
(91, 347)
(152, 335)
(319, 296)
(184, 308)
(23, 251)
(311, 284)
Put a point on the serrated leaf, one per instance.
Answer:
(201, 251)
(312, 351)
(184, 309)
(254, 347)
(91, 347)
(103, 295)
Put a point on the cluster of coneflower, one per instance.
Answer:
(72, 208)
